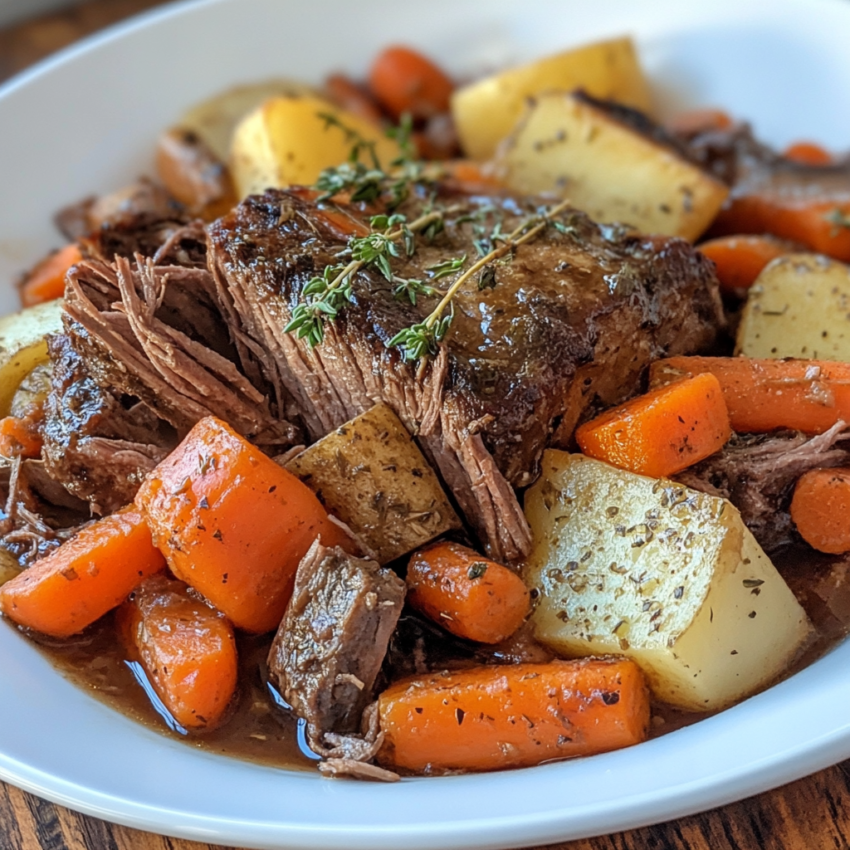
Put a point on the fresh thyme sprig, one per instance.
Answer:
(325, 295)
(423, 339)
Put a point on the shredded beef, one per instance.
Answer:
(569, 326)
(757, 474)
(329, 648)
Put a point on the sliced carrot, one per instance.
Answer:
(470, 596)
(662, 432)
(46, 282)
(700, 121)
(186, 648)
(469, 175)
(406, 81)
(740, 259)
(763, 395)
(85, 577)
(232, 523)
(20, 437)
(494, 717)
(820, 224)
(349, 96)
(808, 153)
(821, 509)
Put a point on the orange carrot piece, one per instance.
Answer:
(821, 509)
(349, 96)
(406, 81)
(186, 648)
(808, 153)
(822, 225)
(700, 121)
(46, 282)
(232, 523)
(84, 578)
(662, 432)
(763, 395)
(488, 718)
(739, 260)
(470, 596)
(19, 437)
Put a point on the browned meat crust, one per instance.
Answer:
(571, 323)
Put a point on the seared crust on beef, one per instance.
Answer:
(571, 323)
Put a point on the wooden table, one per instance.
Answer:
(812, 814)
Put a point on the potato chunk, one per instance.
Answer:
(371, 475)
(23, 345)
(799, 306)
(568, 146)
(287, 142)
(660, 573)
(486, 111)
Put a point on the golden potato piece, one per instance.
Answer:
(371, 475)
(287, 142)
(486, 111)
(799, 306)
(215, 120)
(576, 150)
(660, 573)
(23, 345)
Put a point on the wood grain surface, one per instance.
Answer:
(811, 814)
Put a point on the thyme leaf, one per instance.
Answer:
(410, 289)
(838, 218)
(446, 267)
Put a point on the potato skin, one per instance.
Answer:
(486, 111)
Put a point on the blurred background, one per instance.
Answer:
(32, 29)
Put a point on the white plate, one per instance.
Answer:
(87, 121)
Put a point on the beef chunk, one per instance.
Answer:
(330, 646)
(567, 325)
(155, 333)
(96, 444)
(757, 474)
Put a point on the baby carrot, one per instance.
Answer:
(662, 432)
(232, 523)
(699, 121)
(46, 281)
(763, 395)
(821, 509)
(821, 224)
(808, 153)
(85, 577)
(186, 648)
(739, 260)
(487, 718)
(406, 81)
(19, 437)
(470, 596)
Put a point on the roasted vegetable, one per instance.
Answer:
(85, 577)
(766, 395)
(46, 282)
(233, 524)
(488, 718)
(486, 111)
(372, 475)
(288, 141)
(568, 145)
(405, 81)
(23, 345)
(186, 648)
(470, 596)
(662, 574)
(798, 307)
(821, 509)
(739, 260)
(663, 431)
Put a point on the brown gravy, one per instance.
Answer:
(262, 731)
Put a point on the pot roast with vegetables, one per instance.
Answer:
(406, 428)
